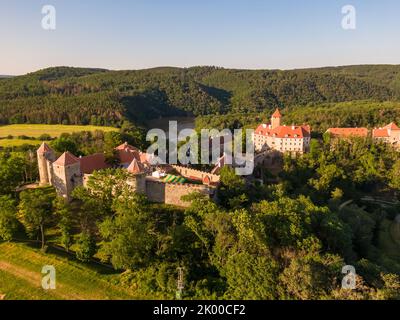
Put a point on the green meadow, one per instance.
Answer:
(21, 277)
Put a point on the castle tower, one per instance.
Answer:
(276, 119)
(45, 156)
(67, 174)
(138, 171)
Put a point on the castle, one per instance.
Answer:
(284, 139)
(163, 184)
(389, 134)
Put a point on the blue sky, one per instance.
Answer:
(254, 34)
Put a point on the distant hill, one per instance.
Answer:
(5, 76)
(65, 95)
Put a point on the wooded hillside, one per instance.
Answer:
(66, 95)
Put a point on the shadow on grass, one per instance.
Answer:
(60, 252)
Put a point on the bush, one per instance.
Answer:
(24, 137)
(45, 137)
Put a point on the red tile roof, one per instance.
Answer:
(135, 167)
(127, 156)
(127, 153)
(380, 133)
(127, 147)
(289, 132)
(44, 148)
(66, 159)
(92, 163)
(144, 157)
(392, 126)
(385, 131)
(277, 114)
(349, 132)
(206, 180)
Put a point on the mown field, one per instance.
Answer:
(36, 130)
(20, 277)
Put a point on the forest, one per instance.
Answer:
(64, 95)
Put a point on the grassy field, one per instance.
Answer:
(18, 142)
(20, 277)
(36, 130)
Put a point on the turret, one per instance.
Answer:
(45, 156)
(276, 119)
(138, 181)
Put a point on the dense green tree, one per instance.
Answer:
(111, 140)
(86, 246)
(106, 185)
(35, 211)
(63, 144)
(250, 277)
(328, 177)
(287, 221)
(12, 171)
(362, 225)
(89, 210)
(391, 287)
(231, 191)
(310, 277)
(394, 176)
(8, 218)
(65, 221)
(129, 236)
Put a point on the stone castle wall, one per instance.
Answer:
(195, 174)
(170, 193)
(161, 192)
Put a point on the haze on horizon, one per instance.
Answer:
(139, 34)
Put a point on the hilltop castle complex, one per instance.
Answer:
(165, 184)
(284, 139)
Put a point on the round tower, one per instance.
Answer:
(137, 169)
(45, 156)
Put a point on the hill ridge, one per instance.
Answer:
(68, 95)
